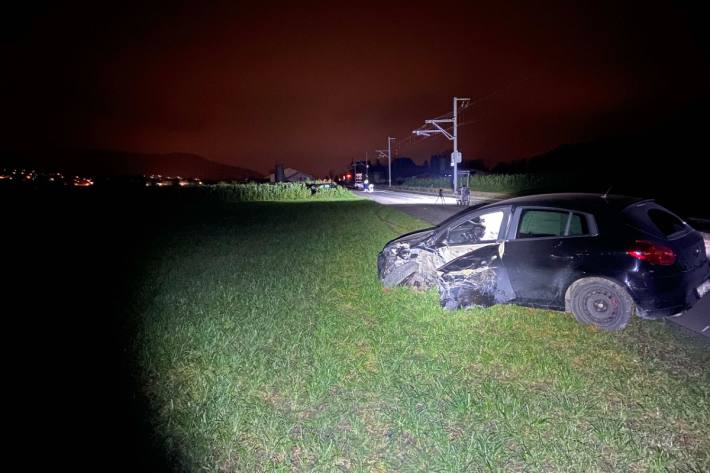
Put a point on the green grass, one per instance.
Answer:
(268, 344)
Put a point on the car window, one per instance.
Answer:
(667, 223)
(479, 228)
(542, 223)
(536, 223)
(578, 225)
(651, 218)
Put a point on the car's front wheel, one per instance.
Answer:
(600, 302)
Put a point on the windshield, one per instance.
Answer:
(483, 227)
(458, 215)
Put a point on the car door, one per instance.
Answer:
(543, 254)
(473, 231)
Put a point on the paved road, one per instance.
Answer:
(388, 197)
(428, 208)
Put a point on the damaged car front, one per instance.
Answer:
(477, 279)
(414, 260)
(403, 258)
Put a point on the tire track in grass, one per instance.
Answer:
(395, 227)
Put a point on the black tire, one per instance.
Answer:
(600, 302)
(399, 274)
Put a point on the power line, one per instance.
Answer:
(412, 139)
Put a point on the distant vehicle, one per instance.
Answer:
(317, 186)
(359, 184)
(82, 182)
(603, 258)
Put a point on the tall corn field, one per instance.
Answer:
(505, 183)
(252, 192)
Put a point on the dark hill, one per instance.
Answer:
(118, 163)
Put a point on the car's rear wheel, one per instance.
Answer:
(600, 302)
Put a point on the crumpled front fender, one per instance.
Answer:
(401, 265)
(477, 279)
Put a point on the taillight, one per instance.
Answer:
(652, 253)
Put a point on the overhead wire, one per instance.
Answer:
(413, 138)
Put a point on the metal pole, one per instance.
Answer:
(456, 147)
(435, 126)
(367, 168)
(389, 160)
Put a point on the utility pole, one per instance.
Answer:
(389, 159)
(437, 128)
(456, 156)
(367, 168)
(382, 153)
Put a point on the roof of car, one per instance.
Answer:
(573, 201)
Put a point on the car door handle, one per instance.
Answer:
(562, 257)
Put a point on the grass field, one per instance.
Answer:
(266, 343)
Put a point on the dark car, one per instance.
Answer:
(600, 257)
(314, 187)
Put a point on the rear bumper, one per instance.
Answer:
(664, 296)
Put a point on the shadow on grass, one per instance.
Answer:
(71, 383)
(76, 261)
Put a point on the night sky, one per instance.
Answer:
(316, 85)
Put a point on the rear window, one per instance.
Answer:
(653, 219)
(665, 222)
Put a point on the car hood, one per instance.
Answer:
(414, 238)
